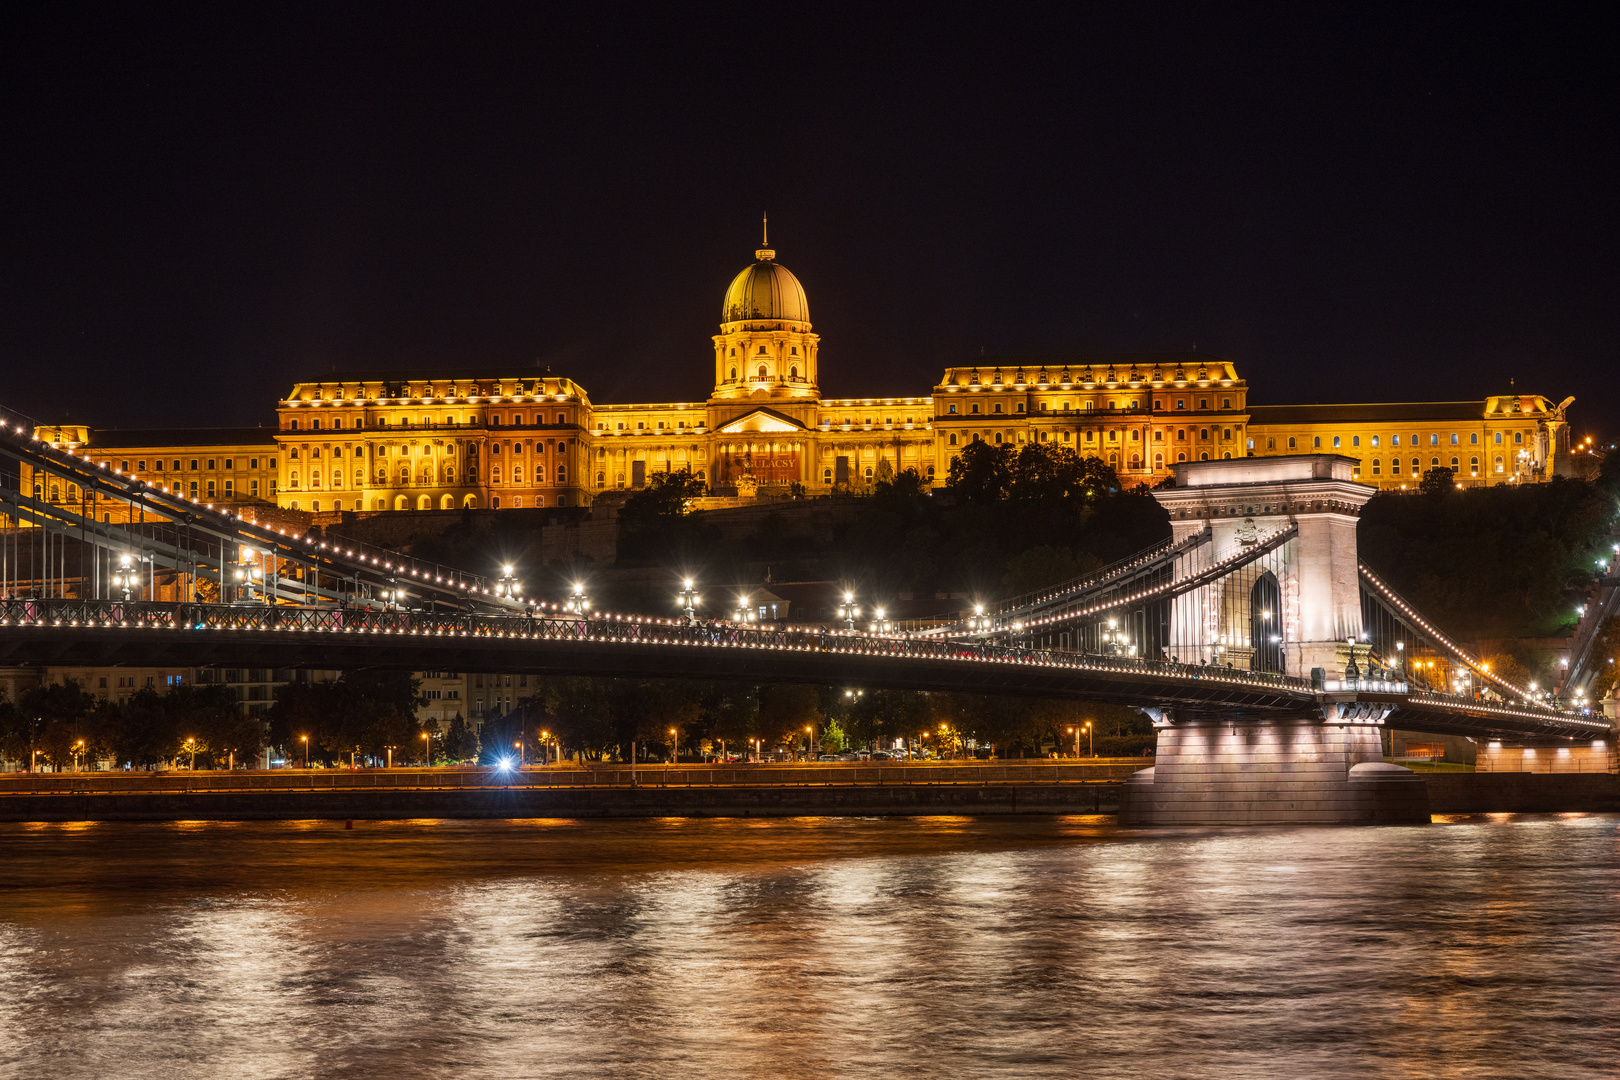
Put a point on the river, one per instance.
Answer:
(812, 947)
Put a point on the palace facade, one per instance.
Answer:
(507, 438)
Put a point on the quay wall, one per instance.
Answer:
(688, 791)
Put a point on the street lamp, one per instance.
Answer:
(979, 622)
(848, 610)
(191, 747)
(78, 748)
(427, 748)
(305, 740)
(882, 625)
(745, 611)
(688, 600)
(809, 736)
(578, 603)
(674, 746)
(506, 586)
(126, 576)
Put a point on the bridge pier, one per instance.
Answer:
(1246, 770)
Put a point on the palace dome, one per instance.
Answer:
(766, 290)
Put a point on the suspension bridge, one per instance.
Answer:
(1267, 655)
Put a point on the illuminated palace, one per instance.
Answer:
(487, 438)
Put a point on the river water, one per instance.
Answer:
(928, 947)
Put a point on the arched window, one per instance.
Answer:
(793, 372)
(998, 406)
(1473, 466)
(1181, 457)
(1498, 438)
(998, 438)
(826, 474)
(1376, 466)
(733, 374)
(1203, 457)
(762, 368)
(495, 474)
(930, 472)
(1434, 463)
(1136, 461)
(1292, 445)
(562, 474)
(1499, 464)
(1454, 464)
(400, 502)
(1158, 462)
(952, 439)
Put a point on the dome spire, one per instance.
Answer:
(765, 254)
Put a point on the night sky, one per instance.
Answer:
(201, 204)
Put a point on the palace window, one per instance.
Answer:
(1181, 403)
(1226, 403)
(1316, 442)
(253, 488)
(562, 474)
(1454, 464)
(1499, 464)
(1203, 434)
(1292, 444)
(1453, 438)
(1473, 466)
(953, 438)
(230, 489)
(762, 366)
(1355, 440)
(1335, 441)
(1203, 403)
(1518, 436)
(193, 464)
(1203, 457)
(975, 408)
(292, 425)
(998, 406)
(1498, 438)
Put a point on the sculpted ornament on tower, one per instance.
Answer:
(765, 352)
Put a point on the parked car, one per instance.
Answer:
(882, 755)
(828, 757)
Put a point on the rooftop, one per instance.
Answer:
(1401, 412)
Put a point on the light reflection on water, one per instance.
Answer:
(1018, 947)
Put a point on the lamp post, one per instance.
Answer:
(305, 740)
(848, 610)
(809, 736)
(674, 745)
(577, 603)
(191, 747)
(518, 746)
(125, 576)
(881, 625)
(390, 751)
(506, 587)
(978, 622)
(688, 600)
(1091, 745)
(427, 748)
(1076, 733)
(78, 748)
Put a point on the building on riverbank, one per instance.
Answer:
(500, 437)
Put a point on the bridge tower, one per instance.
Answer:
(1222, 766)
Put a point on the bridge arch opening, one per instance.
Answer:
(1265, 623)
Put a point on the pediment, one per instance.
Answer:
(763, 420)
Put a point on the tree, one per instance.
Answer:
(460, 742)
(1038, 567)
(786, 709)
(981, 474)
(666, 498)
(1438, 481)
(61, 715)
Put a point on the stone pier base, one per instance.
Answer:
(1272, 772)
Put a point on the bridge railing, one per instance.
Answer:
(38, 612)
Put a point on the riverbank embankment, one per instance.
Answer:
(1089, 786)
